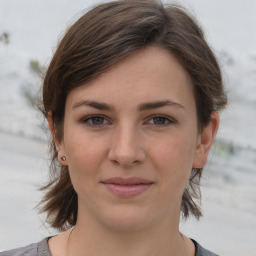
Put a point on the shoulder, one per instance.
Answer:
(36, 249)
(200, 251)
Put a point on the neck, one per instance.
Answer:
(163, 239)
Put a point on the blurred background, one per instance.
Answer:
(29, 32)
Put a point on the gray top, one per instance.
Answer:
(42, 249)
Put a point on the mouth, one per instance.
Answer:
(127, 187)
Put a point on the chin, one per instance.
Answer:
(127, 219)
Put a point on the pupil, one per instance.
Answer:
(159, 120)
(97, 120)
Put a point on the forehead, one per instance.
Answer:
(149, 75)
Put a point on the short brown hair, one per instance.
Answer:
(99, 39)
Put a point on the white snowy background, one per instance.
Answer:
(229, 183)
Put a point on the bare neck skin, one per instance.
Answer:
(90, 238)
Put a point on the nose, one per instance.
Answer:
(126, 149)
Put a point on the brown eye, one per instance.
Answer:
(160, 121)
(95, 121)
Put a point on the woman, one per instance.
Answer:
(132, 97)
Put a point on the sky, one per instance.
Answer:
(34, 26)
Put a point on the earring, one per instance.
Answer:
(63, 158)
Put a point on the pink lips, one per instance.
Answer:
(127, 187)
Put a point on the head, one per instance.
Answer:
(98, 41)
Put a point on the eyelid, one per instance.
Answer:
(87, 118)
(106, 120)
(168, 118)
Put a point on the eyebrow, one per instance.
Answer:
(141, 107)
(94, 104)
(159, 104)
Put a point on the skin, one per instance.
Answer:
(157, 143)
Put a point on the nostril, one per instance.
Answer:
(125, 149)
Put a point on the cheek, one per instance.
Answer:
(174, 159)
(84, 156)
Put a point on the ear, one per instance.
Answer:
(205, 141)
(58, 144)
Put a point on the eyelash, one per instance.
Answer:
(165, 118)
(90, 118)
(88, 121)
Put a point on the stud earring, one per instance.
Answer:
(63, 158)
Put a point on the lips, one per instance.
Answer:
(127, 187)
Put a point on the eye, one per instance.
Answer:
(95, 121)
(160, 120)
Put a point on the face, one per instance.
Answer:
(131, 140)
